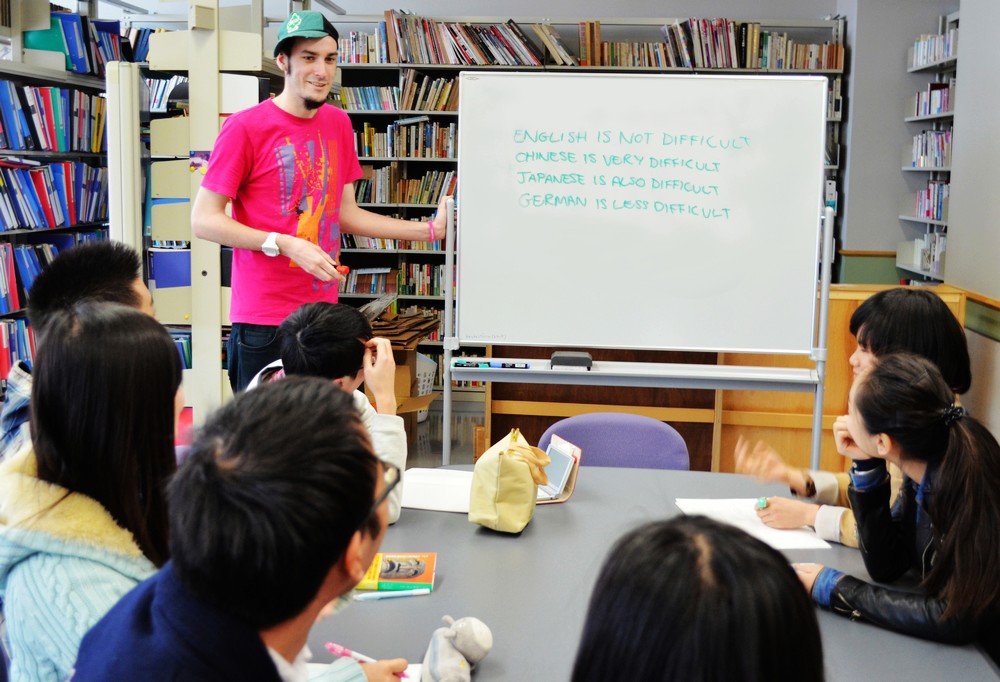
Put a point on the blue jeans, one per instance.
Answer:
(251, 348)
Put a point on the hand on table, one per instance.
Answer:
(807, 574)
(384, 671)
(784, 513)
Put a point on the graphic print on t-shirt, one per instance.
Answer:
(306, 174)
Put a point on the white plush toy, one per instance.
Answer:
(455, 650)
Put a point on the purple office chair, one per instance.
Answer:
(615, 439)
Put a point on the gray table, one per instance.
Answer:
(533, 589)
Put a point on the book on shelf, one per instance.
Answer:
(728, 44)
(930, 49)
(400, 571)
(381, 280)
(17, 339)
(552, 40)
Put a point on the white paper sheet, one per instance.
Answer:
(437, 489)
(740, 513)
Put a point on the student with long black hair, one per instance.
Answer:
(83, 514)
(944, 522)
(694, 599)
(891, 321)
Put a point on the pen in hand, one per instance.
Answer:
(338, 650)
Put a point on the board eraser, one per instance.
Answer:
(570, 358)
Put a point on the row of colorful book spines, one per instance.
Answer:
(20, 265)
(728, 44)
(58, 195)
(369, 284)
(358, 47)
(23, 263)
(381, 148)
(437, 143)
(182, 340)
(350, 241)
(932, 146)
(933, 102)
(425, 190)
(826, 55)
(930, 202)
(438, 94)
(17, 344)
(88, 44)
(929, 49)
(371, 97)
(50, 118)
(427, 41)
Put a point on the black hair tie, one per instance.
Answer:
(952, 414)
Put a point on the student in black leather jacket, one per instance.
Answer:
(945, 522)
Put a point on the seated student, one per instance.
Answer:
(268, 525)
(903, 411)
(98, 271)
(693, 599)
(891, 321)
(334, 341)
(83, 513)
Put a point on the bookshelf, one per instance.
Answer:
(929, 115)
(380, 74)
(53, 166)
(210, 43)
(220, 52)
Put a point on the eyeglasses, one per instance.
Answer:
(391, 476)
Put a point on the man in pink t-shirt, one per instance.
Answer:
(288, 165)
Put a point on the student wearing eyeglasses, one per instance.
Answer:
(268, 525)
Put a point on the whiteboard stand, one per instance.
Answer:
(650, 374)
(819, 354)
(449, 340)
(679, 196)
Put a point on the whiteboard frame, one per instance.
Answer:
(793, 338)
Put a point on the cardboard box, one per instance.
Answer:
(406, 384)
(408, 405)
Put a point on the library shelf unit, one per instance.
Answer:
(213, 47)
(533, 407)
(34, 220)
(923, 213)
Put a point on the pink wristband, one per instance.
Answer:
(430, 225)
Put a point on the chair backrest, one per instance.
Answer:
(615, 439)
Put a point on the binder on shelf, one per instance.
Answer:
(170, 268)
(72, 27)
(51, 39)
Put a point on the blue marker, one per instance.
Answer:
(510, 365)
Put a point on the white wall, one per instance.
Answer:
(983, 399)
(973, 257)
(879, 34)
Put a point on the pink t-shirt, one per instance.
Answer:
(285, 174)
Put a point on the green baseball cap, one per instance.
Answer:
(304, 25)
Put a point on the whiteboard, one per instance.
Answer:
(637, 211)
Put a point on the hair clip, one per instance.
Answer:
(952, 414)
